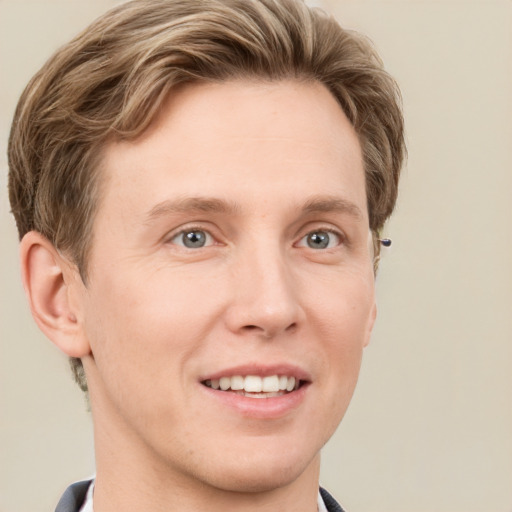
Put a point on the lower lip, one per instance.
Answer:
(260, 408)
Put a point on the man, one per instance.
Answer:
(199, 188)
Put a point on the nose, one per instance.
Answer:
(265, 296)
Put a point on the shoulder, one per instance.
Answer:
(331, 504)
(74, 496)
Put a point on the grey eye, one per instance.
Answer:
(193, 239)
(320, 240)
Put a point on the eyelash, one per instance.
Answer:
(191, 229)
(302, 242)
(329, 231)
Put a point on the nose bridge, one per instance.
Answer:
(266, 297)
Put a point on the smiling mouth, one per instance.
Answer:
(254, 386)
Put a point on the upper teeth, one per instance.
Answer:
(254, 384)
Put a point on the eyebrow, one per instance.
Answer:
(192, 205)
(326, 204)
(317, 204)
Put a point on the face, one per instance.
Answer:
(230, 290)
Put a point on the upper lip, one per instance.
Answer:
(261, 371)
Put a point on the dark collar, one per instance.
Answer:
(74, 497)
(331, 504)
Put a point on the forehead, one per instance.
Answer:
(227, 139)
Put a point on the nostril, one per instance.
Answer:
(268, 333)
(252, 328)
(258, 331)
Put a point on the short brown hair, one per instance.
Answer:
(110, 81)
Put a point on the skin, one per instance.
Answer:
(157, 317)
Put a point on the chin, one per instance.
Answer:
(260, 472)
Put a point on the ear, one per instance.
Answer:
(371, 323)
(52, 285)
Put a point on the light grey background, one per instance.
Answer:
(430, 428)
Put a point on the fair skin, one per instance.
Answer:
(231, 240)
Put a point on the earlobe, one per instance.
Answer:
(49, 279)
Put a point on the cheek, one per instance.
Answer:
(341, 372)
(344, 320)
(142, 330)
(138, 345)
(344, 306)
